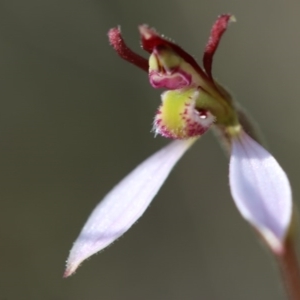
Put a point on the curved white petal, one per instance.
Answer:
(128, 200)
(261, 190)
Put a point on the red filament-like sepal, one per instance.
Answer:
(216, 34)
(117, 41)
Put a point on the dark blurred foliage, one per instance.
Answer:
(75, 119)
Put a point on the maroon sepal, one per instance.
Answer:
(150, 40)
(116, 40)
(216, 33)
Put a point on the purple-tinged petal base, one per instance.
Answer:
(261, 190)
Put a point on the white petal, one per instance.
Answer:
(120, 208)
(261, 190)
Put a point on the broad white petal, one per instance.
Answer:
(120, 208)
(261, 190)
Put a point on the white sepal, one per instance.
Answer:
(125, 203)
(261, 190)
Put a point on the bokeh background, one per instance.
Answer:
(75, 119)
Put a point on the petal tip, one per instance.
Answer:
(232, 19)
(71, 267)
(146, 32)
(70, 270)
(114, 34)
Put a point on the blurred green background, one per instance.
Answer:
(75, 119)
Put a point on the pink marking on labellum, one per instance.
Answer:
(171, 80)
(195, 123)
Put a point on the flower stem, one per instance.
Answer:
(290, 271)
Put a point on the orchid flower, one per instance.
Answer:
(193, 102)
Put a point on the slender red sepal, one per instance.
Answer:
(116, 40)
(150, 39)
(216, 33)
